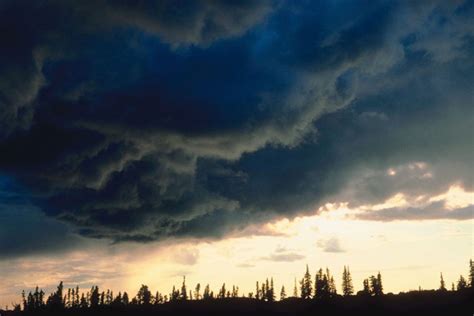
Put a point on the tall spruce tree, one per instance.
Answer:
(271, 292)
(442, 285)
(306, 285)
(174, 295)
(125, 299)
(83, 303)
(222, 292)
(347, 286)
(462, 283)
(207, 292)
(366, 288)
(376, 287)
(380, 285)
(295, 290)
(197, 292)
(56, 300)
(235, 291)
(471, 273)
(282, 293)
(184, 293)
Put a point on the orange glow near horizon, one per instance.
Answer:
(329, 238)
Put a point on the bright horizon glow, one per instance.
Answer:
(403, 251)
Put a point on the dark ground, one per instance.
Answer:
(413, 303)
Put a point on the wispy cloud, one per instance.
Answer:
(330, 245)
(186, 256)
(282, 254)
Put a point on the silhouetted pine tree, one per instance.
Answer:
(373, 285)
(380, 285)
(306, 285)
(324, 285)
(270, 291)
(158, 298)
(319, 284)
(108, 297)
(376, 288)
(83, 303)
(235, 291)
(442, 285)
(68, 299)
(56, 300)
(332, 287)
(462, 284)
(471, 273)
(184, 293)
(125, 299)
(222, 292)
(16, 308)
(207, 293)
(75, 297)
(197, 290)
(282, 293)
(295, 290)
(23, 299)
(267, 292)
(41, 298)
(38, 297)
(33, 301)
(144, 295)
(174, 295)
(365, 288)
(102, 298)
(347, 287)
(117, 301)
(257, 292)
(88, 298)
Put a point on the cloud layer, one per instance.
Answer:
(155, 120)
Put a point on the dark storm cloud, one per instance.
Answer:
(189, 22)
(25, 229)
(36, 33)
(137, 122)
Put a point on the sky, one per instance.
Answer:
(225, 141)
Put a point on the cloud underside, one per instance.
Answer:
(432, 211)
(144, 122)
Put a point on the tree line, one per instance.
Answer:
(322, 287)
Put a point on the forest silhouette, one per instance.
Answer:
(309, 296)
